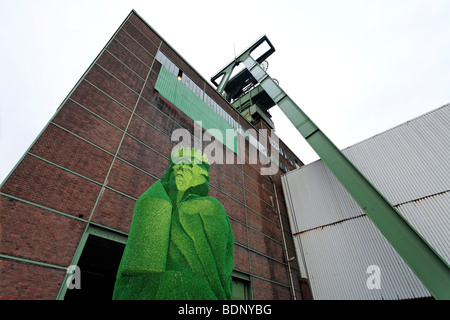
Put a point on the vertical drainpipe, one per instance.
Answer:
(286, 255)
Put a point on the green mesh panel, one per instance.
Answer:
(187, 101)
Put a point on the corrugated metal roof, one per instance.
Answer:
(410, 161)
(410, 165)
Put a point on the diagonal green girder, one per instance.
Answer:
(424, 261)
(431, 269)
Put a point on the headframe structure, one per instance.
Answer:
(431, 269)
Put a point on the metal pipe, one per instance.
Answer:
(286, 255)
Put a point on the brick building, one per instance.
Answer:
(70, 199)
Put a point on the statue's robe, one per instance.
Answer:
(176, 253)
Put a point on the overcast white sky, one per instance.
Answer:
(356, 67)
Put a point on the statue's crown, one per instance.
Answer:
(189, 155)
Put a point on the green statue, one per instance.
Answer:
(180, 244)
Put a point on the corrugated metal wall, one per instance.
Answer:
(410, 165)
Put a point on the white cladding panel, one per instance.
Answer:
(410, 161)
(338, 256)
(410, 166)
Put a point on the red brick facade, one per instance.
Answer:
(107, 143)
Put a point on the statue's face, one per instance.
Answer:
(188, 175)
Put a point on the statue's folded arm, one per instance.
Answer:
(148, 241)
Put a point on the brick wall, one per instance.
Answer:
(108, 142)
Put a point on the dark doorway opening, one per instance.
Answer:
(98, 265)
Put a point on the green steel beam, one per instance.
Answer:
(228, 70)
(426, 263)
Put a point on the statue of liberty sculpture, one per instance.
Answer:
(180, 244)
